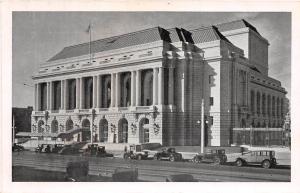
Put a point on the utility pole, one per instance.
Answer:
(202, 126)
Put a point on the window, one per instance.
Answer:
(211, 120)
(211, 101)
(210, 79)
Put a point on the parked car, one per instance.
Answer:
(217, 156)
(43, 148)
(56, 148)
(135, 152)
(265, 158)
(95, 150)
(69, 150)
(168, 154)
(17, 147)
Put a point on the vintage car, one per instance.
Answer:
(56, 148)
(265, 158)
(43, 148)
(168, 154)
(95, 150)
(135, 152)
(212, 155)
(17, 147)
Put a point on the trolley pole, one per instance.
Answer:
(202, 126)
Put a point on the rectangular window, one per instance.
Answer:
(211, 120)
(210, 79)
(211, 101)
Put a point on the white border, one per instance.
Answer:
(181, 5)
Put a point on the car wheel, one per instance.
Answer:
(196, 159)
(266, 164)
(139, 157)
(172, 158)
(239, 163)
(125, 156)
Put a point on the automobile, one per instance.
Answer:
(265, 158)
(217, 156)
(69, 150)
(136, 152)
(56, 148)
(42, 148)
(95, 150)
(17, 147)
(168, 154)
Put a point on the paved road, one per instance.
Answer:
(151, 170)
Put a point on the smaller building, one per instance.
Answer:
(21, 120)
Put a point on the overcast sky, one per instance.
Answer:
(38, 36)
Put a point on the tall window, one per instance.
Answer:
(56, 95)
(264, 104)
(123, 131)
(103, 130)
(43, 96)
(252, 99)
(144, 131)
(106, 88)
(147, 88)
(258, 103)
(211, 101)
(269, 105)
(273, 106)
(72, 94)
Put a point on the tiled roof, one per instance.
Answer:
(207, 34)
(116, 42)
(238, 24)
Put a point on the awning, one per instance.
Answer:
(29, 134)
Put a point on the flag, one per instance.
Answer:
(88, 29)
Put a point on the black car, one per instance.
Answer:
(168, 154)
(95, 150)
(17, 147)
(217, 156)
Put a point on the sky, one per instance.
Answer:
(38, 36)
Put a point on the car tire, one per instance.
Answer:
(239, 163)
(172, 158)
(196, 159)
(125, 156)
(266, 164)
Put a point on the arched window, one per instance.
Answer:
(123, 131)
(252, 99)
(144, 131)
(258, 103)
(54, 126)
(103, 130)
(69, 124)
(106, 94)
(126, 89)
(86, 133)
(147, 88)
(72, 94)
(41, 126)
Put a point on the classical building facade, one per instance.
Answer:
(147, 86)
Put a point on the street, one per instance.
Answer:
(151, 170)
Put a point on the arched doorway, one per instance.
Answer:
(103, 130)
(41, 126)
(86, 130)
(123, 131)
(144, 131)
(69, 124)
(54, 126)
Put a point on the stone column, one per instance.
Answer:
(132, 88)
(161, 86)
(47, 96)
(155, 85)
(99, 92)
(171, 86)
(66, 97)
(77, 93)
(138, 88)
(118, 90)
(112, 90)
(95, 82)
(62, 94)
(82, 98)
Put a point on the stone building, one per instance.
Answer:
(147, 86)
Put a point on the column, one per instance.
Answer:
(77, 93)
(62, 94)
(82, 98)
(118, 90)
(99, 92)
(112, 90)
(66, 95)
(95, 82)
(171, 86)
(138, 88)
(161, 86)
(51, 96)
(48, 93)
(155, 85)
(132, 88)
